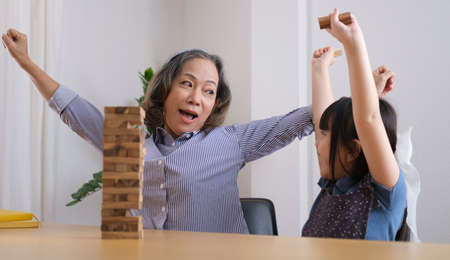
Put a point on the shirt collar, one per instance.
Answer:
(342, 184)
(162, 136)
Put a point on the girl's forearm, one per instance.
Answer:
(322, 95)
(362, 84)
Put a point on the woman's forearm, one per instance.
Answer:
(44, 83)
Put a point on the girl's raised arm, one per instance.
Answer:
(366, 111)
(322, 95)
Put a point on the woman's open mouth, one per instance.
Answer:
(188, 116)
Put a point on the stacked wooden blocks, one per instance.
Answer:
(123, 165)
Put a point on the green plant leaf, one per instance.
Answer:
(148, 74)
(86, 189)
(98, 176)
(143, 80)
(76, 195)
(73, 202)
(95, 184)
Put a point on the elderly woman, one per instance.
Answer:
(192, 163)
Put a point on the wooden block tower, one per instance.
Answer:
(123, 165)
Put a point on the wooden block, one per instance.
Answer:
(119, 227)
(108, 197)
(109, 167)
(123, 235)
(108, 183)
(123, 182)
(122, 145)
(122, 167)
(114, 212)
(324, 22)
(112, 167)
(118, 139)
(135, 198)
(122, 198)
(136, 153)
(121, 224)
(337, 53)
(121, 190)
(124, 110)
(120, 151)
(121, 205)
(122, 160)
(133, 119)
(122, 175)
(117, 124)
(116, 152)
(130, 219)
(128, 183)
(122, 131)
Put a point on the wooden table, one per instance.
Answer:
(59, 241)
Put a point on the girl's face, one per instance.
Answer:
(323, 155)
(191, 98)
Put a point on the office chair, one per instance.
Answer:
(260, 216)
(404, 233)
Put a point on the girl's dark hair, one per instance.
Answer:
(338, 118)
(161, 84)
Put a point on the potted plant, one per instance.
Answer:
(95, 184)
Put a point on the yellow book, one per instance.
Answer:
(17, 219)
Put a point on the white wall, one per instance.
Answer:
(412, 38)
(223, 28)
(279, 85)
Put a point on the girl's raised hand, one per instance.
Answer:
(323, 57)
(342, 32)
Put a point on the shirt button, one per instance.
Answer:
(159, 162)
(161, 186)
(163, 209)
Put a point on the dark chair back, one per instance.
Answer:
(260, 216)
(404, 233)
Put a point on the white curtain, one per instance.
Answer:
(28, 127)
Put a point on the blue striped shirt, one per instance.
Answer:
(190, 183)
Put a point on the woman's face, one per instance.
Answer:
(191, 98)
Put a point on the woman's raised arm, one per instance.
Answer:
(17, 45)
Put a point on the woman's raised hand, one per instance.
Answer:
(384, 80)
(17, 45)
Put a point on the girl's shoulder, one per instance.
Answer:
(391, 198)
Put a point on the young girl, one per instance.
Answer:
(363, 191)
